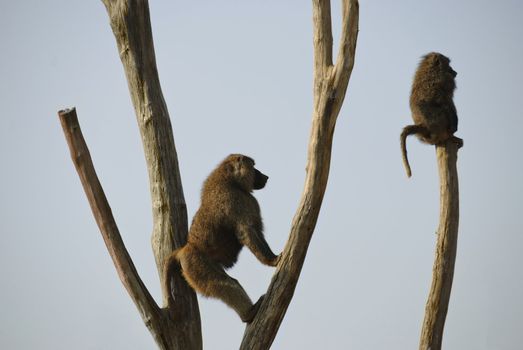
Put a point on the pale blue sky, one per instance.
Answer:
(237, 77)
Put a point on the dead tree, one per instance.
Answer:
(177, 325)
(443, 270)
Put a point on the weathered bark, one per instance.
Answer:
(132, 29)
(443, 270)
(330, 84)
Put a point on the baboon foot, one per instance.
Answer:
(253, 311)
(458, 141)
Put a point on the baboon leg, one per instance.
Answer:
(410, 130)
(210, 279)
(171, 267)
(458, 141)
(232, 293)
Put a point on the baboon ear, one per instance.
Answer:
(233, 163)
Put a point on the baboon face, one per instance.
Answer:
(440, 65)
(244, 172)
(260, 179)
(446, 69)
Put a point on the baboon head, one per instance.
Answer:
(242, 171)
(436, 68)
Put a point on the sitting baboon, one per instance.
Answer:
(433, 111)
(228, 218)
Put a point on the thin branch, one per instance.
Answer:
(322, 35)
(345, 60)
(81, 157)
(443, 270)
(327, 102)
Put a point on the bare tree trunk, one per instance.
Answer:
(177, 325)
(130, 21)
(443, 271)
(330, 84)
(132, 29)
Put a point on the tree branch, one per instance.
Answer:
(345, 60)
(131, 25)
(443, 270)
(328, 98)
(81, 157)
(322, 28)
(130, 22)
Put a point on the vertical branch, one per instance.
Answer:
(443, 270)
(131, 25)
(130, 22)
(329, 94)
(345, 61)
(322, 35)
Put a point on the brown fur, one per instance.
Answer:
(433, 111)
(228, 218)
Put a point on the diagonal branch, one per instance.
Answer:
(443, 270)
(141, 297)
(328, 98)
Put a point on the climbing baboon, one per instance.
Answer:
(228, 218)
(433, 111)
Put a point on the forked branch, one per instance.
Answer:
(330, 84)
(443, 270)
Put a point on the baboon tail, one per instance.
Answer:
(408, 130)
(171, 267)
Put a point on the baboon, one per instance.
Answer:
(228, 218)
(433, 111)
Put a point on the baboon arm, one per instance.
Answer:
(453, 118)
(254, 240)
